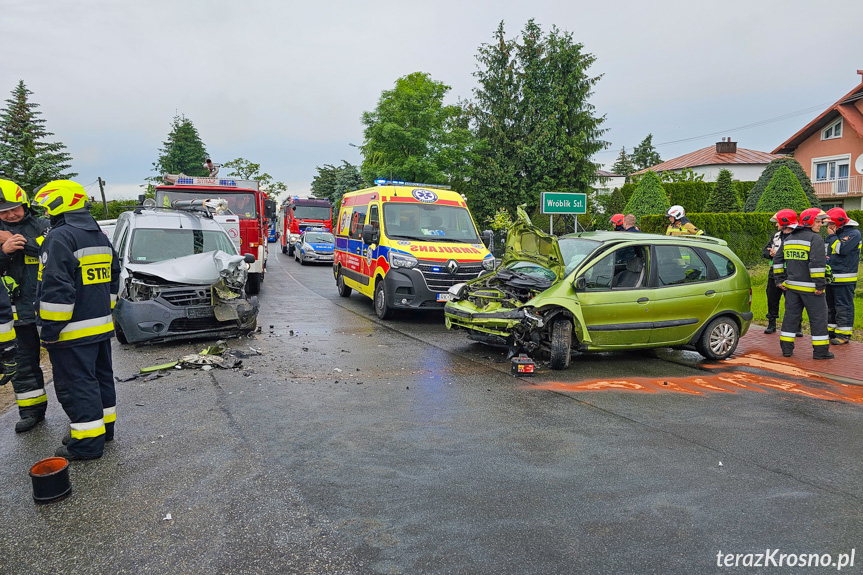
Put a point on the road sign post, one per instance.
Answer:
(562, 203)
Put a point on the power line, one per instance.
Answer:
(775, 119)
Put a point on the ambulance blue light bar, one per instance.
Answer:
(383, 182)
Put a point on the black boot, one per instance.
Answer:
(771, 325)
(823, 352)
(63, 451)
(28, 422)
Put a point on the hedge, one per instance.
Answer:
(115, 208)
(746, 233)
(691, 195)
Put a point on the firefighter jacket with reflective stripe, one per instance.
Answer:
(7, 331)
(801, 264)
(78, 282)
(683, 227)
(843, 254)
(23, 265)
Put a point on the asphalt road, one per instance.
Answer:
(353, 445)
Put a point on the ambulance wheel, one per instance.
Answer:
(284, 249)
(253, 284)
(344, 290)
(382, 301)
(561, 343)
(719, 339)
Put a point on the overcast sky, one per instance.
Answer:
(284, 83)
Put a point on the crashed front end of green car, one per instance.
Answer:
(495, 308)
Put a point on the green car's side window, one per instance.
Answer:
(677, 265)
(724, 266)
(621, 269)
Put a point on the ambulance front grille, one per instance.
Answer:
(439, 279)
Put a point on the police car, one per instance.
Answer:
(315, 245)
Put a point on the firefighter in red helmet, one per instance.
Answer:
(799, 269)
(786, 221)
(617, 222)
(843, 256)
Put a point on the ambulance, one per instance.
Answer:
(404, 245)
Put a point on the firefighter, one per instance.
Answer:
(843, 255)
(679, 224)
(785, 221)
(21, 234)
(78, 281)
(617, 221)
(799, 269)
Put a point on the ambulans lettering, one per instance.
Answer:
(445, 249)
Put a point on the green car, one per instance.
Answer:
(606, 291)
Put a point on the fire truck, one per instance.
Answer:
(245, 200)
(297, 214)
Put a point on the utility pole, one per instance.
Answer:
(104, 203)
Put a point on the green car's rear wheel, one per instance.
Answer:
(719, 340)
(561, 343)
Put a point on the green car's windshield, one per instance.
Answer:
(574, 250)
(533, 269)
(156, 245)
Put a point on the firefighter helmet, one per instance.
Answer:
(12, 196)
(617, 219)
(785, 217)
(675, 212)
(61, 196)
(838, 216)
(808, 217)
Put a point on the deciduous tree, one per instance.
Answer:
(26, 157)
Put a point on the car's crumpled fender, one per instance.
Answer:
(196, 269)
(574, 309)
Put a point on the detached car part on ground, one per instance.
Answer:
(606, 291)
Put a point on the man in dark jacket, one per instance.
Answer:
(800, 269)
(21, 234)
(78, 284)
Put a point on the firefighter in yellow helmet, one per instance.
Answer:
(21, 234)
(78, 284)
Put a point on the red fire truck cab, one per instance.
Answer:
(297, 214)
(245, 199)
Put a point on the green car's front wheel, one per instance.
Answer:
(720, 339)
(561, 343)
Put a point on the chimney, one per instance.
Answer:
(726, 146)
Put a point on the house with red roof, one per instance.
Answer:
(830, 149)
(744, 165)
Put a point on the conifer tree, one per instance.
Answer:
(649, 197)
(182, 153)
(723, 198)
(623, 165)
(783, 191)
(767, 175)
(26, 157)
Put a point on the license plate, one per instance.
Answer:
(196, 312)
(326, 257)
(444, 297)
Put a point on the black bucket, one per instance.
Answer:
(51, 480)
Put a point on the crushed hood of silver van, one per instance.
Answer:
(198, 269)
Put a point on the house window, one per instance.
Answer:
(832, 131)
(834, 173)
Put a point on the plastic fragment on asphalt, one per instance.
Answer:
(206, 367)
(337, 370)
(167, 517)
(720, 464)
(153, 368)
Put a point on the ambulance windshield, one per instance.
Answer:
(429, 222)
